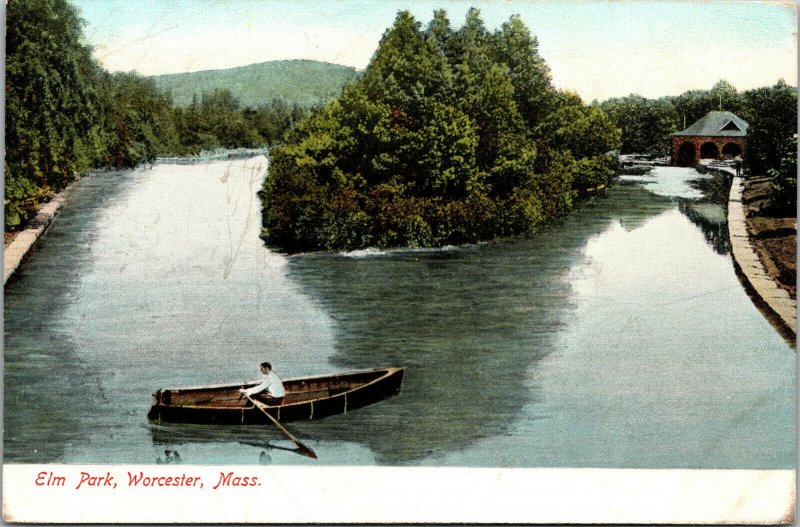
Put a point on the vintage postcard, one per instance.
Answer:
(406, 261)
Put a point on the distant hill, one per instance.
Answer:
(305, 82)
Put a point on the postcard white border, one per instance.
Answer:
(289, 494)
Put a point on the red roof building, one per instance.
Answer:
(717, 135)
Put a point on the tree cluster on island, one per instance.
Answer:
(448, 137)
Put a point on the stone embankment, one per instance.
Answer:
(775, 299)
(21, 243)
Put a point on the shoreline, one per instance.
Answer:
(15, 251)
(20, 243)
(766, 291)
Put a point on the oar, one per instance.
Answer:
(300, 446)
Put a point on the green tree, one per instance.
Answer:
(471, 46)
(221, 117)
(442, 154)
(218, 121)
(273, 120)
(441, 34)
(645, 124)
(514, 46)
(429, 147)
(784, 180)
(505, 150)
(296, 203)
(52, 111)
(579, 137)
(138, 121)
(694, 104)
(771, 113)
(406, 67)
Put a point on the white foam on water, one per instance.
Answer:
(671, 182)
(369, 252)
(373, 252)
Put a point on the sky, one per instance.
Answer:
(598, 49)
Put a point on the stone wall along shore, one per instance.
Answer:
(776, 299)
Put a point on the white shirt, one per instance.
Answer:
(272, 384)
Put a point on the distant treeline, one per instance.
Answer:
(65, 114)
(305, 82)
(450, 136)
(218, 120)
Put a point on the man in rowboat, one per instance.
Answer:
(271, 386)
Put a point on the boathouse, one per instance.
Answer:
(716, 135)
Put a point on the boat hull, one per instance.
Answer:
(307, 399)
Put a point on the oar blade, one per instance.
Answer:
(301, 448)
(304, 450)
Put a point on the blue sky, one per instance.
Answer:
(597, 49)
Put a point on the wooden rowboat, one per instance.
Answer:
(306, 398)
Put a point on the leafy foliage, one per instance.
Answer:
(771, 113)
(645, 124)
(136, 120)
(52, 108)
(783, 197)
(450, 136)
(217, 121)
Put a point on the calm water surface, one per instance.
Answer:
(620, 338)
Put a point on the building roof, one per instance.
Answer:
(717, 124)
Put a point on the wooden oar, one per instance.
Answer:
(300, 446)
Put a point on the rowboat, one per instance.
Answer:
(306, 398)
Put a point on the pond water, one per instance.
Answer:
(620, 337)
